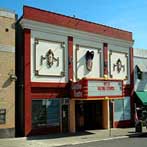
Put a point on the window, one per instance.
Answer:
(122, 109)
(45, 112)
(127, 108)
(139, 72)
(2, 116)
(118, 110)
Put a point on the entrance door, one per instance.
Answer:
(93, 115)
(80, 116)
(88, 115)
(64, 118)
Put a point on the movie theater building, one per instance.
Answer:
(73, 74)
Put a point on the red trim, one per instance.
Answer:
(42, 93)
(48, 85)
(45, 130)
(84, 83)
(70, 55)
(126, 90)
(105, 56)
(121, 124)
(44, 96)
(126, 86)
(27, 88)
(132, 83)
(50, 94)
(74, 23)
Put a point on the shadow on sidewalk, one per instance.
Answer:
(138, 135)
(58, 135)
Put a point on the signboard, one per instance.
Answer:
(97, 88)
(104, 88)
(76, 90)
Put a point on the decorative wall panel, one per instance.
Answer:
(49, 58)
(118, 65)
(88, 62)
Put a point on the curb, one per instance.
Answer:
(89, 141)
(15, 138)
(104, 139)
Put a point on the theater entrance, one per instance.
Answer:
(88, 115)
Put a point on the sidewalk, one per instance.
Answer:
(69, 139)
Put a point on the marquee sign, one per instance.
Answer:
(97, 88)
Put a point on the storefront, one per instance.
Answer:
(58, 55)
(140, 78)
(94, 102)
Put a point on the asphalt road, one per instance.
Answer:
(126, 142)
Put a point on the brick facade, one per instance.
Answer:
(7, 68)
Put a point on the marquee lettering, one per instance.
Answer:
(102, 88)
(77, 86)
(77, 93)
(107, 86)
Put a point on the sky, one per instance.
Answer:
(129, 15)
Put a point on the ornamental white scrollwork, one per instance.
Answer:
(118, 66)
(50, 59)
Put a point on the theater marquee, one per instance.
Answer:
(97, 88)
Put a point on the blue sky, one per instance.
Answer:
(128, 15)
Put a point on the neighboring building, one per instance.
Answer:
(7, 73)
(61, 63)
(140, 78)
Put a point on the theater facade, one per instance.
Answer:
(73, 75)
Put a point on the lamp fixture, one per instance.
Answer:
(12, 76)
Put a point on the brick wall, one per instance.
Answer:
(7, 88)
(7, 31)
(7, 67)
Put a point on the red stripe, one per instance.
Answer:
(105, 52)
(132, 84)
(27, 88)
(125, 123)
(48, 85)
(44, 95)
(78, 24)
(70, 58)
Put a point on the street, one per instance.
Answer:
(125, 142)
